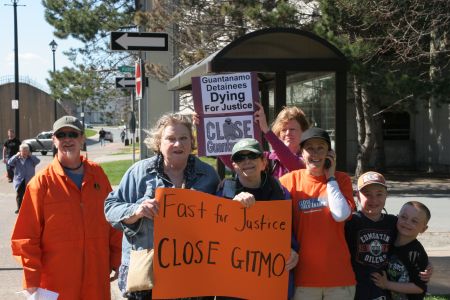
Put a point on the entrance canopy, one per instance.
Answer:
(294, 67)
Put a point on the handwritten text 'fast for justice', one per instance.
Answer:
(182, 210)
(195, 252)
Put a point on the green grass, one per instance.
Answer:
(209, 160)
(212, 162)
(89, 132)
(115, 170)
(441, 297)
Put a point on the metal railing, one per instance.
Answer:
(24, 79)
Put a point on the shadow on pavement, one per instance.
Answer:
(440, 282)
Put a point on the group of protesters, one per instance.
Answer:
(74, 234)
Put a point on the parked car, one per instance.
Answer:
(109, 136)
(41, 143)
(88, 125)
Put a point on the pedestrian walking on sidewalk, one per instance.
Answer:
(10, 148)
(101, 136)
(61, 235)
(24, 164)
(122, 136)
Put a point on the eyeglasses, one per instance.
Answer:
(241, 156)
(69, 134)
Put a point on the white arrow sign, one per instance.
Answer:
(125, 82)
(142, 41)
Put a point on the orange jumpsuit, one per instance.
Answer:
(61, 235)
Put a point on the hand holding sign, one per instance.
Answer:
(260, 118)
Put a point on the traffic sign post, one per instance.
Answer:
(125, 82)
(139, 74)
(140, 41)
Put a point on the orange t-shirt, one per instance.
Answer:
(324, 259)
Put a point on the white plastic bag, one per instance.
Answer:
(40, 294)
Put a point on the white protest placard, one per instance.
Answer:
(219, 134)
(226, 93)
(225, 104)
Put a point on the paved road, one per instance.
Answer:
(434, 193)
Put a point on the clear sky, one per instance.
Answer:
(34, 35)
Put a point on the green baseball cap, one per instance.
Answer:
(251, 145)
(68, 121)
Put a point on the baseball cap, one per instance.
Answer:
(371, 178)
(67, 121)
(315, 133)
(251, 145)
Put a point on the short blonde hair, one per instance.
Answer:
(153, 142)
(289, 113)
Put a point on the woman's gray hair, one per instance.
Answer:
(24, 146)
(153, 142)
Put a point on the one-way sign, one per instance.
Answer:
(125, 82)
(141, 41)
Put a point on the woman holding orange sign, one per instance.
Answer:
(132, 206)
(253, 183)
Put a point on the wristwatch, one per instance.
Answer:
(331, 178)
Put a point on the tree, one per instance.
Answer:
(203, 27)
(91, 80)
(83, 87)
(388, 44)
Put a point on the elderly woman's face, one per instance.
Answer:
(176, 143)
(24, 152)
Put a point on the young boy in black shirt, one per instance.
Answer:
(408, 256)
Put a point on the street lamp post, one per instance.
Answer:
(53, 45)
(16, 69)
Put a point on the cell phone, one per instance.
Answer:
(327, 163)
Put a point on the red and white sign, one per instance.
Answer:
(138, 74)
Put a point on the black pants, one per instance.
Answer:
(10, 171)
(20, 193)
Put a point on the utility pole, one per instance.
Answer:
(16, 69)
(53, 45)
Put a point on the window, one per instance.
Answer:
(396, 125)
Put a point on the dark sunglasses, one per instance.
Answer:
(69, 134)
(241, 157)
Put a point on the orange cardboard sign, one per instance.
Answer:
(211, 246)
